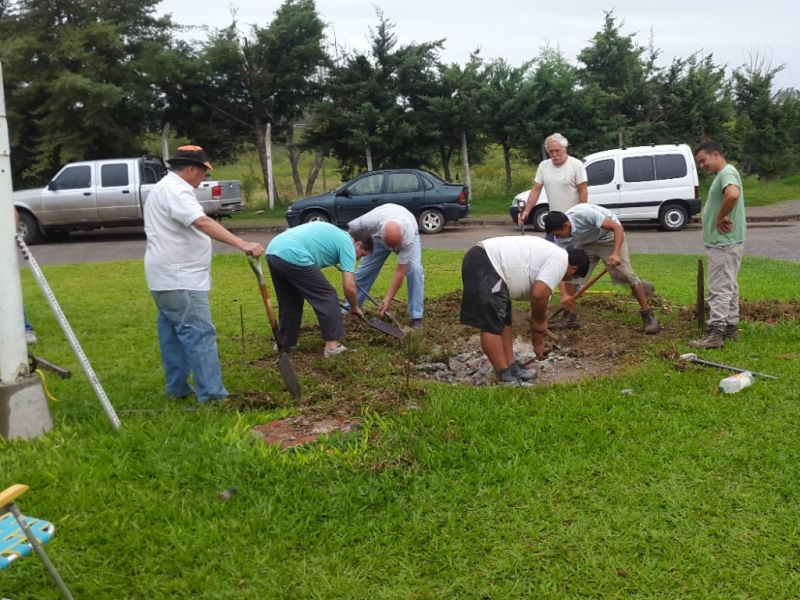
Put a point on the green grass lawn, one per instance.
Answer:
(569, 491)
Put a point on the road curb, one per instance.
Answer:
(500, 222)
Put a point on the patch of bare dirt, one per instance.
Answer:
(384, 375)
(297, 431)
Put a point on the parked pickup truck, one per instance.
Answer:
(107, 193)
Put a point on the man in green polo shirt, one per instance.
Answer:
(724, 231)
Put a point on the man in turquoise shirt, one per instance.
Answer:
(724, 232)
(295, 259)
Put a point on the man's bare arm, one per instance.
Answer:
(533, 198)
(217, 232)
(583, 193)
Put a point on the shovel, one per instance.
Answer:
(381, 326)
(284, 364)
(376, 303)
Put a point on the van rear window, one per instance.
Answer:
(652, 168)
(670, 166)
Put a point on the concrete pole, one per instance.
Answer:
(165, 142)
(23, 406)
(270, 176)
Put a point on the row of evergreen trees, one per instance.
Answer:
(97, 78)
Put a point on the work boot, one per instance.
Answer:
(521, 373)
(650, 322)
(569, 320)
(712, 338)
(416, 323)
(507, 379)
(731, 332)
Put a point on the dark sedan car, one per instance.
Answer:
(430, 199)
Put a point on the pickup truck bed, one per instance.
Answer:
(107, 193)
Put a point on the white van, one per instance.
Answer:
(645, 183)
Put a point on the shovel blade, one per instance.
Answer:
(376, 323)
(287, 372)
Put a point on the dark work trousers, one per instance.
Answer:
(294, 284)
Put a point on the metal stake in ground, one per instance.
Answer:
(701, 300)
(284, 364)
(692, 357)
(65, 327)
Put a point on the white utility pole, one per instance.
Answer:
(23, 407)
(165, 142)
(270, 177)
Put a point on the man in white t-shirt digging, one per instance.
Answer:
(563, 178)
(498, 270)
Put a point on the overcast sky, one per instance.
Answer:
(516, 30)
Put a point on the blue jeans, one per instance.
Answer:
(371, 265)
(28, 326)
(188, 343)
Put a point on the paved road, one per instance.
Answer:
(775, 240)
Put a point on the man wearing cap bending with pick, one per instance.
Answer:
(177, 265)
(394, 229)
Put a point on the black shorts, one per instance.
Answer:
(486, 301)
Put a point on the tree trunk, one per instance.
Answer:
(313, 171)
(445, 157)
(465, 155)
(369, 159)
(507, 158)
(294, 160)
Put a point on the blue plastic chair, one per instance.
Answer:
(19, 535)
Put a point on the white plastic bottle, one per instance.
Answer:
(734, 383)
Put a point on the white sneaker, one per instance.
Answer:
(339, 349)
(30, 337)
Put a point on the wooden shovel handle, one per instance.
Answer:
(580, 292)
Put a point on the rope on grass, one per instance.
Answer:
(44, 385)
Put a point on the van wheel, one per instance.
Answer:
(673, 218)
(29, 228)
(431, 221)
(538, 218)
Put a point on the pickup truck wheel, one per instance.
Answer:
(316, 216)
(431, 221)
(673, 218)
(538, 218)
(29, 227)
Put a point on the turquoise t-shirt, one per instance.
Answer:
(711, 235)
(315, 244)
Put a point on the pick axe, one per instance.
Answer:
(580, 293)
(284, 364)
(692, 357)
